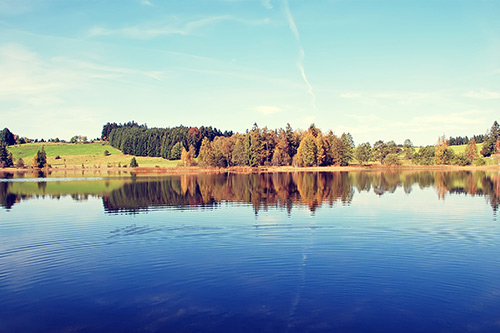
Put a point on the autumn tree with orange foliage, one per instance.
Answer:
(471, 151)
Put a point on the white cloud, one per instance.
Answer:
(146, 3)
(268, 110)
(267, 4)
(462, 123)
(171, 28)
(483, 94)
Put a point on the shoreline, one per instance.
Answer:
(262, 169)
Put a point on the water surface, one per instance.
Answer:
(382, 252)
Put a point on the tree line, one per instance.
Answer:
(139, 140)
(283, 147)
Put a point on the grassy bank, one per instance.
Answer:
(90, 155)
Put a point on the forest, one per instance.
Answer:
(212, 147)
(284, 147)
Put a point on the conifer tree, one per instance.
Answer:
(133, 163)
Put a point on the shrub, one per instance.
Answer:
(133, 163)
(480, 161)
(461, 160)
(392, 159)
(106, 153)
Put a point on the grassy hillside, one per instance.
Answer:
(461, 148)
(88, 154)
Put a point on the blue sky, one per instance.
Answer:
(386, 70)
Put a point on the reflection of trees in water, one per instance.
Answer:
(7, 199)
(262, 191)
(282, 190)
(286, 190)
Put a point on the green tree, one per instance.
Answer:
(363, 153)
(425, 155)
(255, 147)
(40, 159)
(338, 150)
(348, 143)
(133, 163)
(392, 159)
(7, 137)
(5, 156)
(380, 151)
(176, 151)
(306, 153)
(408, 149)
(488, 147)
(240, 154)
(320, 150)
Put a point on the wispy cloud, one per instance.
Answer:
(171, 28)
(394, 97)
(300, 61)
(454, 123)
(267, 4)
(268, 110)
(146, 3)
(483, 94)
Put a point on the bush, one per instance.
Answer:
(461, 160)
(106, 153)
(133, 163)
(58, 157)
(392, 159)
(480, 161)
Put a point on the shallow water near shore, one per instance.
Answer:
(294, 252)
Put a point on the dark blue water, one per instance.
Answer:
(391, 262)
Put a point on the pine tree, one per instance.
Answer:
(133, 163)
(5, 157)
(40, 159)
(307, 151)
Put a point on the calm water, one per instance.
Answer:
(335, 252)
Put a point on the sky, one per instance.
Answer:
(381, 70)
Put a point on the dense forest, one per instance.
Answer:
(282, 147)
(209, 146)
(139, 140)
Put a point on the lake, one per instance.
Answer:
(290, 252)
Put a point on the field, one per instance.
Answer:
(90, 155)
(461, 148)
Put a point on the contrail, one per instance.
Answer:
(300, 61)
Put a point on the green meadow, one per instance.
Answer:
(74, 155)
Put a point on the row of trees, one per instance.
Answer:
(139, 140)
(279, 147)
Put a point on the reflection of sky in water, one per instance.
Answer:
(395, 262)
